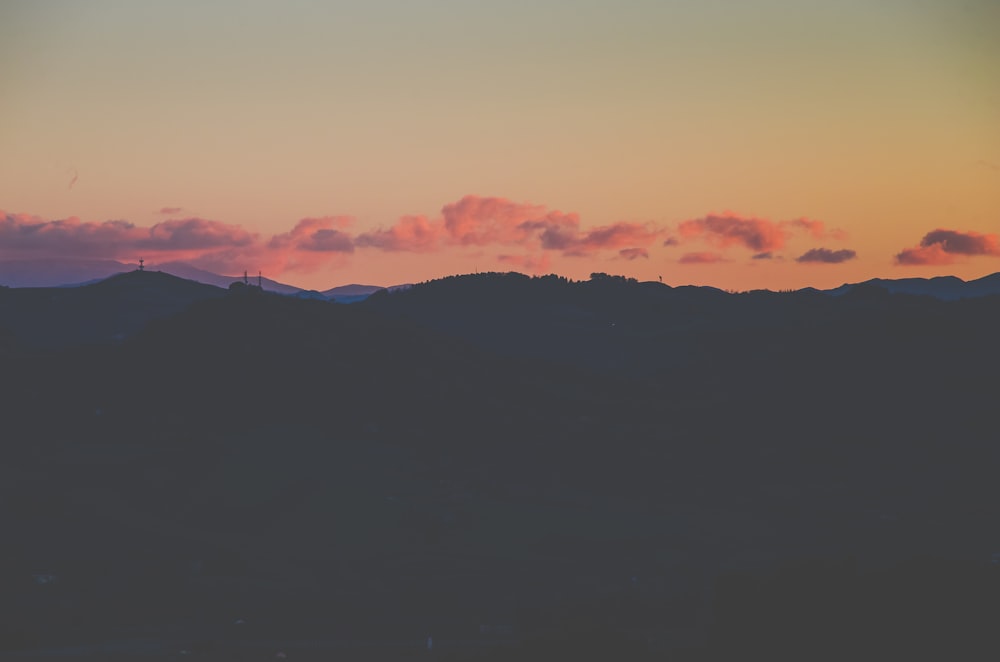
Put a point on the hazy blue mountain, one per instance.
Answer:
(184, 270)
(67, 272)
(354, 293)
(55, 273)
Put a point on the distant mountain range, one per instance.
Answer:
(58, 273)
(71, 273)
(184, 270)
(947, 288)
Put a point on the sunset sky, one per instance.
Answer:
(741, 144)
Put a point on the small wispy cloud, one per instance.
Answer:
(826, 256)
(633, 253)
(701, 257)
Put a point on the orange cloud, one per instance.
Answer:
(703, 257)
(760, 235)
(943, 246)
(487, 220)
(927, 255)
(724, 230)
(633, 253)
(815, 228)
(170, 211)
(411, 233)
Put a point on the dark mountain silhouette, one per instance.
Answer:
(352, 290)
(615, 325)
(529, 467)
(107, 311)
(72, 273)
(948, 288)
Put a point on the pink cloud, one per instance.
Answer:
(616, 235)
(21, 234)
(942, 246)
(311, 243)
(324, 234)
(524, 234)
(410, 233)
(703, 257)
(633, 253)
(554, 231)
(194, 234)
(826, 256)
(815, 228)
(727, 229)
(488, 220)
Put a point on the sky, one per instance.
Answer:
(736, 143)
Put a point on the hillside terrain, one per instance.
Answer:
(104, 312)
(521, 467)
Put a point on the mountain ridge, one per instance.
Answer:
(492, 440)
(71, 273)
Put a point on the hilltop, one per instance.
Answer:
(109, 310)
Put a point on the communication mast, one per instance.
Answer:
(141, 267)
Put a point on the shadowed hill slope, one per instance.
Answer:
(107, 311)
(611, 451)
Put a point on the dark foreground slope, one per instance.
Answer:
(104, 312)
(759, 474)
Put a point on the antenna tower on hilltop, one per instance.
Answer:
(141, 267)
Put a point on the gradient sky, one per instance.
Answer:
(741, 144)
